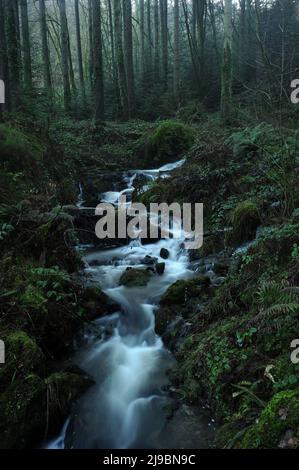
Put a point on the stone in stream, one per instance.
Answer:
(164, 253)
(160, 268)
(135, 278)
(149, 260)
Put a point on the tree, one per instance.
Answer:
(65, 55)
(26, 45)
(45, 45)
(227, 72)
(121, 71)
(164, 34)
(12, 32)
(79, 51)
(98, 61)
(3, 58)
(128, 49)
(176, 66)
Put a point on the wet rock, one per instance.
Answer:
(178, 293)
(135, 278)
(149, 260)
(160, 268)
(221, 267)
(96, 303)
(164, 253)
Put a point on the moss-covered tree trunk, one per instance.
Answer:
(176, 63)
(121, 71)
(98, 60)
(164, 35)
(65, 55)
(227, 66)
(128, 50)
(79, 52)
(26, 45)
(3, 60)
(157, 41)
(45, 45)
(13, 52)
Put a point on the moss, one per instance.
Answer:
(135, 278)
(244, 219)
(63, 389)
(167, 142)
(23, 356)
(280, 415)
(22, 412)
(182, 290)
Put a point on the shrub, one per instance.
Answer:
(245, 219)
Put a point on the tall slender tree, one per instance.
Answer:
(164, 35)
(26, 45)
(12, 31)
(45, 45)
(176, 64)
(65, 55)
(128, 50)
(157, 40)
(79, 51)
(227, 64)
(121, 71)
(98, 61)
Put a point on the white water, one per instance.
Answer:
(125, 409)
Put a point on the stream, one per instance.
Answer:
(127, 407)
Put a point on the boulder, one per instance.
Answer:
(164, 253)
(160, 268)
(135, 278)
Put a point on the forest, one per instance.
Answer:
(131, 342)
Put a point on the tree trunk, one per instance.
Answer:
(157, 40)
(45, 45)
(164, 34)
(65, 55)
(26, 45)
(13, 53)
(79, 51)
(142, 39)
(176, 67)
(149, 38)
(226, 89)
(98, 61)
(91, 48)
(3, 61)
(121, 71)
(128, 49)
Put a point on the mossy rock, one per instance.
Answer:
(168, 141)
(96, 303)
(135, 278)
(22, 412)
(23, 356)
(245, 220)
(280, 416)
(179, 292)
(64, 389)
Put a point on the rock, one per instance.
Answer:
(164, 253)
(96, 303)
(149, 260)
(181, 290)
(160, 268)
(221, 267)
(135, 278)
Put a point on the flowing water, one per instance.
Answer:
(122, 353)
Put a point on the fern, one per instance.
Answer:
(274, 300)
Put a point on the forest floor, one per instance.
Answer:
(230, 327)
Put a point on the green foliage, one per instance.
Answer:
(273, 300)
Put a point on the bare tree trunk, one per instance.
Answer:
(176, 67)
(142, 38)
(13, 53)
(149, 38)
(164, 34)
(26, 45)
(227, 73)
(98, 61)
(3, 61)
(91, 47)
(157, 40)
(128, 50)
(79, 51)
(45, 45)
(65, 55)
(121, 71)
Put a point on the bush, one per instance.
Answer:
(245, 219)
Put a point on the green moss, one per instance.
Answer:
(245, 219)
(23, 356)
(178, 293)
(135, 278)
(22, 412)
(167, 142)
(280, 415)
